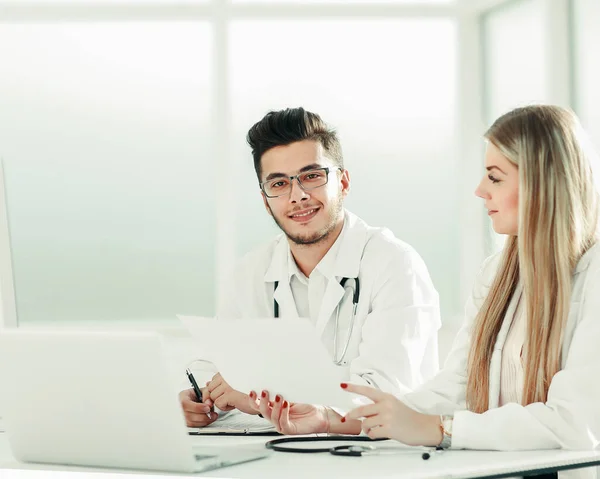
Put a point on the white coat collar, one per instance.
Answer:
(325, 266)
(587, 257)
(347, 260)
(293, 269)
(346, 265)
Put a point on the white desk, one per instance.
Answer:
(449, 464)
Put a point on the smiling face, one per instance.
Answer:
(499, 188)
(305, 216)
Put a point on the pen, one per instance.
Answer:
(196, 388)
(427, 455)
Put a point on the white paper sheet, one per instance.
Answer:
(236, 421)
(280, 356)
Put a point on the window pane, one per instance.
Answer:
(514, 57)
(587, 45)
(515, 66)
(95, 3)
(388, 87)
(406, 2)
(110, 190)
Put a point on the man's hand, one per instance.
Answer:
(226, 398)
(197, 414)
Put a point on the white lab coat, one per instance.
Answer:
(393, 345)
(570, 418)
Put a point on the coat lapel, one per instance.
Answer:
(332, 297)
(278, 271)
(347, 265)
(284, 297)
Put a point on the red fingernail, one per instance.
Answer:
(343, 419)
(277, 398)
(251, 394)
(264, 394)
(285, 404)
(343, 385)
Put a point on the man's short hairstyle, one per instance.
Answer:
(280, 128)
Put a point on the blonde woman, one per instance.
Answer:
(524, 370)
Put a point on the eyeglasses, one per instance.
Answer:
(308, 180)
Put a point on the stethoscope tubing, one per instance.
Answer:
(276, 444)
(355, 298)
(349, 450)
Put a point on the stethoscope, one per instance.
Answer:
(352, 450)
(355, 297)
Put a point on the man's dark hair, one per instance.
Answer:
(280, 128)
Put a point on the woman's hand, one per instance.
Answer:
(225, 397)
(389, 417)
(290, 418)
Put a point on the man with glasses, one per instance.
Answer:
(368, 294)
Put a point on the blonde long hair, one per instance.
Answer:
(558, 221)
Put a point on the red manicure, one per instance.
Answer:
(285, 404)
(343, 419)
(251, 394)
(277, 398)
(264, 394)
(343, 385)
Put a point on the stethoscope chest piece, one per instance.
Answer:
(352, 450)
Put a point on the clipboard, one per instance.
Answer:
(230, 432)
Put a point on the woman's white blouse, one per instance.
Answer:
(513, 357)
(570, 417)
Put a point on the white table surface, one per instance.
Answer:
(449, 464)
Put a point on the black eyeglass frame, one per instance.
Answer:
(326, 169)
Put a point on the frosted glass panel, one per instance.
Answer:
(587, 60)
(366, 2)
(514, 57)
(103, 131)
(515, 66)
(111, 2)
(388, 87)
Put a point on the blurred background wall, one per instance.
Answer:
(130, 189)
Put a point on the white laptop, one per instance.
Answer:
(99, 399)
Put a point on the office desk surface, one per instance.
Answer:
(449, 464)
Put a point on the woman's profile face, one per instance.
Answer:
(499, 189)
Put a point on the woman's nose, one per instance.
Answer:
(481, 192)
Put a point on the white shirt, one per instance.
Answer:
(308, 292)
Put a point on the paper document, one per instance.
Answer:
(283, 357)
(236, 421)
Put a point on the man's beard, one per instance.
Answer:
(333, 216)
